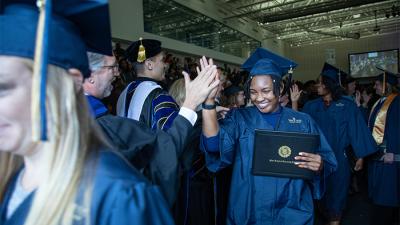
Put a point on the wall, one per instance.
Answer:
(127, 25)
(311, 58)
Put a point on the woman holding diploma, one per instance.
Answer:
(264, 199)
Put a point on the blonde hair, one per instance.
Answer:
(177, 91)
(73, 136)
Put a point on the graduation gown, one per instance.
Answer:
(343, 125)
(121, 195)
(384, 179)
(263, 199)
(157, 151)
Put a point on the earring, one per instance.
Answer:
(91, 81)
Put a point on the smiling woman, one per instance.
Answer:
(256, 199)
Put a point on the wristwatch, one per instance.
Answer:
(208, 107)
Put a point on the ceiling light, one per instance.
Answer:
(356, 16)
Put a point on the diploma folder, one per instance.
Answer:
(274, 153)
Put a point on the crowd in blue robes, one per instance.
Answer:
(343, 125)
(264, 199)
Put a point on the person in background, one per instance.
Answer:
(384, 168)
(235, 97)
(343, 125)
(264, 199)
(56, 167)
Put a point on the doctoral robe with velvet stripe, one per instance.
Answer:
(266, 200)
(384, 179)
(120, 196)
(145, 100)
(343, 125)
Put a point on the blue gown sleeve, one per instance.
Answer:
(228, 134)
(318, 185)
(211, 144)
(142, 205)
(360, 137)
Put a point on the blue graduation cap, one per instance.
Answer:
(334, 73)
(231, 90)
(264, 62)
(62, 32)
(387, 76)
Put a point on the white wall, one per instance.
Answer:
(127, 25)
(311, 58)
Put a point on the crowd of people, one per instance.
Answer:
(95, 135)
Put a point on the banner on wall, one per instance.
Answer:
(330, 56)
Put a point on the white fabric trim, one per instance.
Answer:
(188, 114)
(137, 101)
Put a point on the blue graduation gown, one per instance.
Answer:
(384, 179)
(263, 199)
(120, 196)
(343, 125)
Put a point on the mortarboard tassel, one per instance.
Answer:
(141, 53)
(340, 79)
(39, 80)
(384, 84)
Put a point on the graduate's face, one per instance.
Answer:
(351, 88)
(321, 89)
(240, 99)
(378, 88)
(262, 94)
(15, 105)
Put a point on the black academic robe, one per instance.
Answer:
(157, 151)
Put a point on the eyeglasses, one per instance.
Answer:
(114, 68)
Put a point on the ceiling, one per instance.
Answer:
(296, 22)
(304, 22)
(170, 19)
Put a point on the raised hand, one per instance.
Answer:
(295, 93)
(199, 89)
(358, 98)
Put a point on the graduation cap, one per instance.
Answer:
(387, 77)
(231, 90)
(337, 75)
(59, 34)
(142, 49)
(264, 62)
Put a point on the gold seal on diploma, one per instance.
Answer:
(284, 151)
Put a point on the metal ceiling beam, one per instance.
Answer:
(253, 4)
(315, 9)
(380, 7)
(262, 9)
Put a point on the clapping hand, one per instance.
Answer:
(202, 86)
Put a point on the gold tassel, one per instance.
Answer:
(141, 53)
(384, 84)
